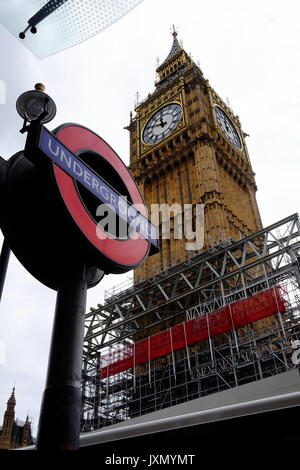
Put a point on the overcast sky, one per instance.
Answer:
(249, 50)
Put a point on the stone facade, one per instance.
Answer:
(13, 433)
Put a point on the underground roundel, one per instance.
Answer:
(89, 174)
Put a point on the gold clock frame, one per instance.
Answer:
(155, 112)
(146, 110)
(216, 105)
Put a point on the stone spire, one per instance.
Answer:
(26, 432)
(8, 422)
(175, 50)
(176, 63)
(11, 402)
(176, 47)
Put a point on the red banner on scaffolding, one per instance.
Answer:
(224, 319)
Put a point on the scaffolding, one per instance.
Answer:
(213, 279)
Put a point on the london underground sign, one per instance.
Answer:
(62, 179)
(117, 255)
(80, 172)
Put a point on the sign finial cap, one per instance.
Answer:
(39, 87)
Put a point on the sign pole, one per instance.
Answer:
(4, 259)
(59, 424)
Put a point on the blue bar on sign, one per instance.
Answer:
(75, 167)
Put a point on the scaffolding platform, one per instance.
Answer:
(209, 282)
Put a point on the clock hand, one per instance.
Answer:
(162, 123)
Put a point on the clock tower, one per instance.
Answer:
(187, 147)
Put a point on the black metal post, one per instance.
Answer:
(4, 259)
(59, 423)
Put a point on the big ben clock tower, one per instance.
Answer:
(201, 318)
(187, 147)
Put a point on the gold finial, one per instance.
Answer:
(39, 87)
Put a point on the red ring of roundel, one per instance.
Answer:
(125, 252)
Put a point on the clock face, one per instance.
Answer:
(162, 123)
(228, 127)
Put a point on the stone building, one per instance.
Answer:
(14, 433)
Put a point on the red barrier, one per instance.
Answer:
(224, 319)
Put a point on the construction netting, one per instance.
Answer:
(229, 317)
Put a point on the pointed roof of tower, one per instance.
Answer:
(176, 47)
(27, 422)
(175, 50)
(12, 398)
(175, 65)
